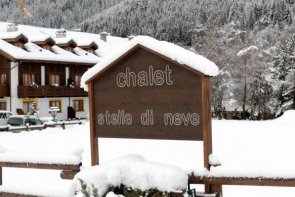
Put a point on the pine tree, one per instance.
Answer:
(260, 95)
(285, 74)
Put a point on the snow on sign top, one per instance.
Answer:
(172, 51)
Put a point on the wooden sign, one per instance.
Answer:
(146, 95)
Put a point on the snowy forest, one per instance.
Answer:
(252, 41)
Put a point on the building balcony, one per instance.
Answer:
(49, 91)
(4, 91)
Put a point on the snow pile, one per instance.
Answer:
(133, 171)
(288, 116)
(81, 52)
(172, 51)
(49, 147)
(36, 191)
(112, 194)
(248, 172)
(41, 159)
(214, 161)
(31, 47)
(8, 35)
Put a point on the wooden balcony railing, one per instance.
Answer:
(4, 91)
(49, 91)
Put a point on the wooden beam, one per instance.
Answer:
(93, 138)
(5, 194)
(41, 166)
(0, 175)
(258, 181)
(68, 174)
(3, 53)
(207, 127)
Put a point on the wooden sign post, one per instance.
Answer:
(145, 95)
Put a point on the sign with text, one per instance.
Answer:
(147, 96)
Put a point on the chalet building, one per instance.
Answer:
(44, 66)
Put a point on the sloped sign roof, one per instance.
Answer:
(169, 50)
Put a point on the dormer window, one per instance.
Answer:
(70, 49)
(47, 47)
(19, 44)
(90, 51)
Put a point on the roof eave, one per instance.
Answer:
(138, 45)
(8, 56)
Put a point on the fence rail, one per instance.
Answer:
(255, 181)
(39, 127)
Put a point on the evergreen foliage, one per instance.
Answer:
(285, 74)
(87, 191)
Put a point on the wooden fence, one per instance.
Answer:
(217, 182)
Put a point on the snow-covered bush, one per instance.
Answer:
(131, 175)
(119, 191)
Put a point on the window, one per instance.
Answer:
(33, 121)
(28, 79)
(19, 44)
(3, 80)
(70, 49)
(47, 47)
(56, 103)
(77, 80)
(78, 105)
(4, 115)
(28, 104)
(3, 105)
(54, 79)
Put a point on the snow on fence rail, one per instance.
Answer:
(39, 127)
(253, 181)
(216, 182)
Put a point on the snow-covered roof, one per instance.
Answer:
(33, 52)
(170, 50)
(92, 45)
(12, 35)
(36, 53)
(42, 38)
(64, 41)
(82, 52)
(9, 35)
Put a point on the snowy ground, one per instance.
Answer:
(252, 147)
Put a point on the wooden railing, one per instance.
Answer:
(49, 91)
(254, 181)
(216, 182)
(4, 91)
